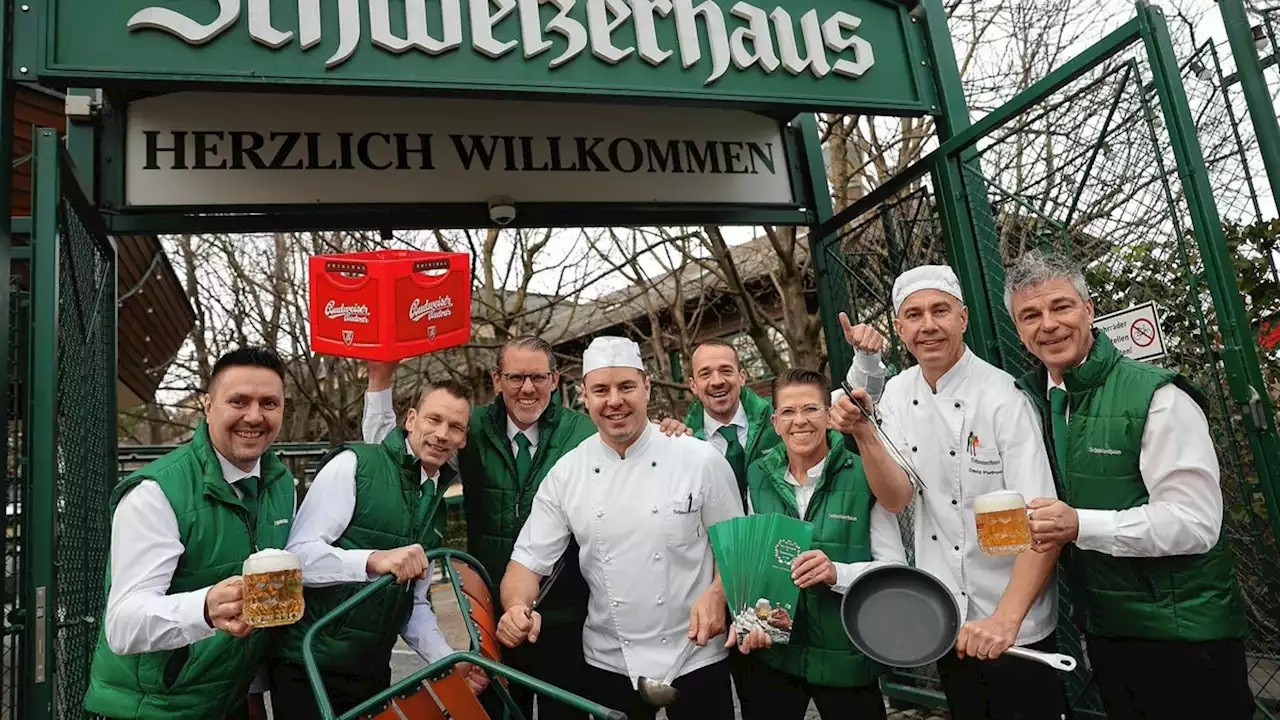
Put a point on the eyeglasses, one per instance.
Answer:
(808, 412)
(516, 380)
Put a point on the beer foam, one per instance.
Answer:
(270, 560)
(998, 501)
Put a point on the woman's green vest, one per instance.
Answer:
(840, 510)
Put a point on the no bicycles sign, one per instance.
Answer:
(1135, 331)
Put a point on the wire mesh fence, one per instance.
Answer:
(1089, 170)
(85, 447)
(11, 642)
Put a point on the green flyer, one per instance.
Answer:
(754, 555)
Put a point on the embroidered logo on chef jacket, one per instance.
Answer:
(972, 444)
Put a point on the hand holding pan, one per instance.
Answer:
(904, 617)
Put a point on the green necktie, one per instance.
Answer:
(249, 487)
(735, 455)
(1058, 408)
(524, 459)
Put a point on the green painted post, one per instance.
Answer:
(970, 230)
(82, 145)
(839, 354)
(1254, 86)
(39, 531)
(1239, 355)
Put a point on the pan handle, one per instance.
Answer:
(1057, 661)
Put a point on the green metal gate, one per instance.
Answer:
(61, 455)
(1099, 159)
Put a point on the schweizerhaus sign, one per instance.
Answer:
(805, 55)
(746, 37)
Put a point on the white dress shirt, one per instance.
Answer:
(324, 516)
(886, 540)
(145, 548)
(530, 432)
(1179, 466)
(641, 525)
(977, 434)
(711, 429)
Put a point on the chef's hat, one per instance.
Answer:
(607, 351)
(925, 277)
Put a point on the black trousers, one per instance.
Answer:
(1153, 680)
(1006, 688)
(779, 696)
(556, 659)
(740, 670)
(704, 694)
(292, 697)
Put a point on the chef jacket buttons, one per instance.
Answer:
(935, 537)
(957, 547)
(626, 643)
(913, 448)
(660, 601)
(953, 453)
(957, 405)
(664, 641)
(657, 556)
(655, 508)
(653, 464)
(608, 559)
(915, 402)
(954, 501)
(599, 513)
(597, 470)
(614, 603)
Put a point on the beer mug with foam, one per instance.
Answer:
(1003, 525)
(272, 588)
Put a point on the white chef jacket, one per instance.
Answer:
(145, 548)
(324, 516)
(1179, 466)
(641, 525)
(886, 540)
(978, 434)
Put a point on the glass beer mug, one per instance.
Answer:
(272, 588)
(1003, 524)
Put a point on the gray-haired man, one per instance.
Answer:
(1137, 475)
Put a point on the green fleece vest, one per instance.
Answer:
(393, 509)
(840, 511)
(761, 437)
(497, 505)
(208, 679)
(1186, 598)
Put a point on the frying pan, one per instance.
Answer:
(905, 617)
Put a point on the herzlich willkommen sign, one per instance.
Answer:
(197, 149)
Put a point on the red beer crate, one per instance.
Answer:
(389, 304)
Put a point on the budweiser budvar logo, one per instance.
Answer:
(348, 313)
(432, 310)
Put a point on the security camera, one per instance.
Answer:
(502, 210)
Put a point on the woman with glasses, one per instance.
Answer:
(814, 477)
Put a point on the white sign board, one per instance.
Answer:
(1135, 332)
(256, 149)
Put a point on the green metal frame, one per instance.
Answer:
(1254, 86)
(441, 667)
(42, 427)
(1239, 354)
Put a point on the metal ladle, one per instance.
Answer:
(662, 694)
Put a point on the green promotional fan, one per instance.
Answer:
(754, 555)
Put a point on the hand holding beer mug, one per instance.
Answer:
(272, 588)
(1003, 525)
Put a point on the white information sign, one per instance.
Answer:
(1135, 332)
(227, 149)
